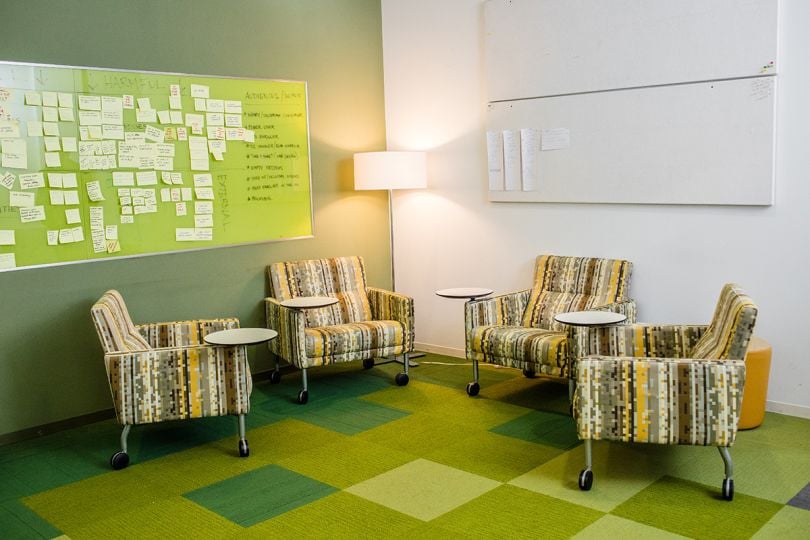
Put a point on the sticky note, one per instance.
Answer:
(7, 261)
(199, 91)
(52, 159)
(33, 213)
(32, 181)
(72, 215)
(7, 238)
(53, 238)
(21, 199)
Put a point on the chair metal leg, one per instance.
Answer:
(124, 435)
(402, 378)
(728, 481)
(120, 459)
(303, 395)
(244, 449)
(585, 480)
(473, 387)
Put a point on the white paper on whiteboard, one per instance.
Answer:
(495, 160)
(529, 157)
(511, 159)
(556, 139)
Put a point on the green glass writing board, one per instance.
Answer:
(98, 164)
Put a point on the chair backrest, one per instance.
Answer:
(341, 277)
(115, 328)
(730, 330)
(564, 284)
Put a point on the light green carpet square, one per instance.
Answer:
(423, 489)
(620, 471)
(789, 523)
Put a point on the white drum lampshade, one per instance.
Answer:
(390, 170)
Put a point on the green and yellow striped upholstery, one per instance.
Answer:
(563, 284)
(667, 384)
(518, 329)
(343, 278)
(164, 371)
(365, 323)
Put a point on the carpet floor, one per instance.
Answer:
(367, 459)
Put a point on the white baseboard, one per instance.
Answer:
(438, 349)
(786, 408)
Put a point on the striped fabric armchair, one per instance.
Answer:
(164, 371)
(364, 324)
(518, 330)
(666, 384)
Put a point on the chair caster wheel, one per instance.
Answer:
(728, 489)
(473, 388)
(368, 363)
(585, 479)
(244, 449)
(529, 373)
(303, 397)
(119, 460)
(401, 379)
(275, 377)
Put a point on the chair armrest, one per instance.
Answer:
(390, 306)
(290, 325)
(183, 333)
(502, 310)
(628, 308)
(174, 383)
(637, 340)
(659, 400)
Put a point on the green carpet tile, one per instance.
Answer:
(259, 495)
(367, 459)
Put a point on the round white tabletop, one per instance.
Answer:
(590, 318)
(309, 302)
(464, 292)
(240, 336)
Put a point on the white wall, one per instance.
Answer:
(449, 235)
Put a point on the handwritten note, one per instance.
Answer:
(529, 158)
(511, 159)
(495, 160)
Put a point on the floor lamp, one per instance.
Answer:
(390, 170)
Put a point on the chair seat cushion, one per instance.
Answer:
(360, 337)
(516, 346)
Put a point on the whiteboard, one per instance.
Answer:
(100, 164)
(702, 143)
(537, 48)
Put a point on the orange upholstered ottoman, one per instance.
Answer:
(757, 368)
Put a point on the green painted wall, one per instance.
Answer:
(51, 364)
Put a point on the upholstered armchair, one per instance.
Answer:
(666, 384)
(518, 330)
(366, 322)
(164, 371)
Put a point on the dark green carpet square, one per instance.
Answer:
(697, 510)
(19, 521)
(349, 416)
(542, 427)
(259, 495)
